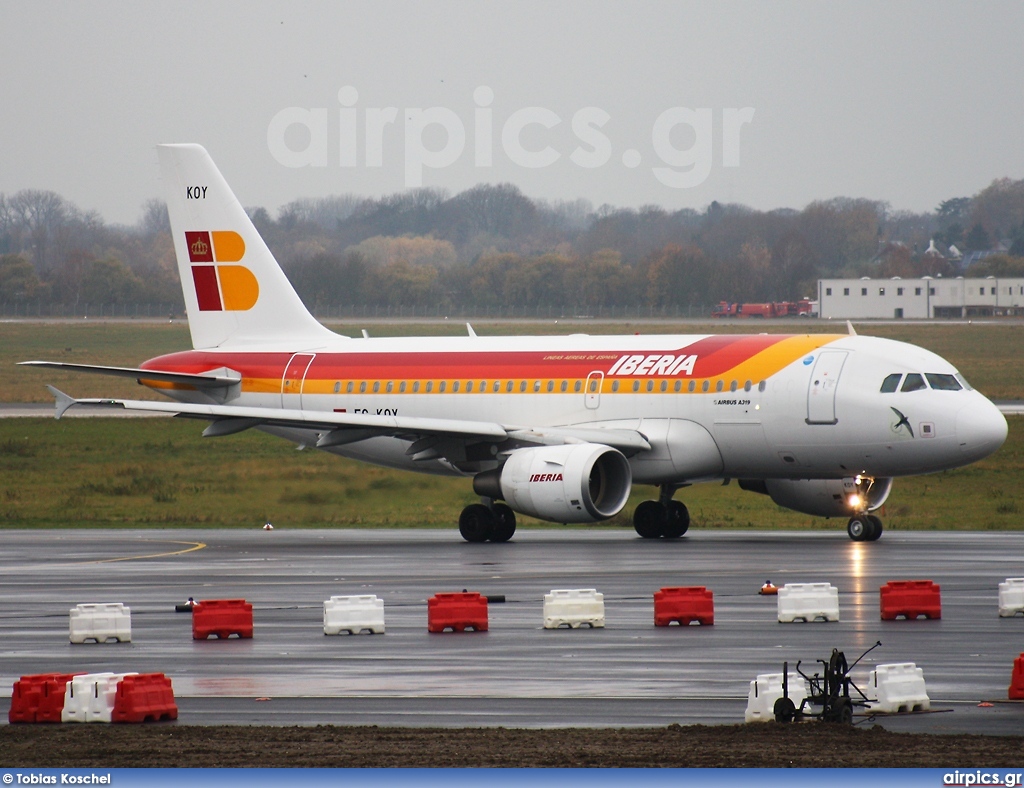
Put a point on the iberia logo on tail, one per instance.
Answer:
(229, 288)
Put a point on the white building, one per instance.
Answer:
(919, 298)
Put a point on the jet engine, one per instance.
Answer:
(824, 497)
(574, 483)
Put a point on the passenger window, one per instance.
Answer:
(615, 385)
(509, 386)
(522, 385)
(415, 387)
(497, 386)
(914, 382)
(348, 387)
(942, 382)
(469, 387)
(577, 385)
(565, 386)
(401, 387)
(891, 383)
(762, 385)
(536, 385)
(692, 386)
(636, 385)
(430, 386)
(441, 386)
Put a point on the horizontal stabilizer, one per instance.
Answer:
(198, 381)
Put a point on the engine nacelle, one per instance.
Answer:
(824, 497)
(574, 483)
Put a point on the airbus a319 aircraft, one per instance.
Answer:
(559, 428)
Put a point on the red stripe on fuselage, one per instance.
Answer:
(715, 356)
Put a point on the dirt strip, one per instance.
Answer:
(756, 745)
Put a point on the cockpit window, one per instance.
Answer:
(963, 382)
(891, 383)
(914, 382)
(942, 382)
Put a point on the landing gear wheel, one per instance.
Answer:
(876, 528)
(678, 520)
(650, 519)
(477, 523)
(504, 523)
(859, 528)
(785, 710)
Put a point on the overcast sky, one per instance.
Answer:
(907, 102)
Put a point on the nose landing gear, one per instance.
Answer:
(864, 528)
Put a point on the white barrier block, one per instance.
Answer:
(100, 623)
(766, 689)
(808, 602)
(90, 697)
(354, 614)
(1011, 597)
(898, 687)
(573, 608)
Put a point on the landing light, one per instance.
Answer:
(854, 501)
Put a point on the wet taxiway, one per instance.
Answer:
(517, 674)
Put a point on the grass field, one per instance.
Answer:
(160, 472)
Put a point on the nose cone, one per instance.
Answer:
(980, 429)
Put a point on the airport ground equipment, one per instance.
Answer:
(1011, 597)
(100, 622)
(808, 602)
(573, 608)
(1016, 691)
(354, 615)
(766, 689)
(457, 612)
(898, 688)
(910, 599)
(144, 697)
(684, 605)
(829, 698)
(39, 698)
(222, 618)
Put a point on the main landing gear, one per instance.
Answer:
(483, 522)
(662, 518)
(864, 528)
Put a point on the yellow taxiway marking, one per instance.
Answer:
(195, 546)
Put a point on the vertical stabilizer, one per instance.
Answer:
(235, 292)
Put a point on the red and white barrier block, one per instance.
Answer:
(808, 602)
(354, 614)
(100, 622)
(898, 687)
(573, 608)
(766, 689)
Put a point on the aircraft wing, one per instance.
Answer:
(341, 428)
(201, 381)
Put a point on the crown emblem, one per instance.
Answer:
(200, 248)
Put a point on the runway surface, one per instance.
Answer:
(517, 674)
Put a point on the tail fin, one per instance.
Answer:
(235, 292)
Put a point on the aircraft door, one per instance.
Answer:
(592, 393)
(821, 392)
(293, 378)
